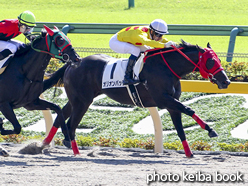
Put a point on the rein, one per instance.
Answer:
(203, 72)
(184, 55)
(172, 50)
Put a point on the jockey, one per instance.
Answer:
(11, 28)
(136, 39)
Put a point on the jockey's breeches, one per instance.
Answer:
(125, 48)
(12, 45)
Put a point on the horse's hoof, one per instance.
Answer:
(67, 144)
(44, 145)
(77, 154)
(190, 156)
(3, 152)
(212, 134)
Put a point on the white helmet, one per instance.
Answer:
(159, 26)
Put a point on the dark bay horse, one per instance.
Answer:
(21, 83)
(160, 84)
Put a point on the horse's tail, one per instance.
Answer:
(55, 78)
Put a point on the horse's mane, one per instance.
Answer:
(185, 44)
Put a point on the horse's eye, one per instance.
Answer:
(210, 63)
(59, 41)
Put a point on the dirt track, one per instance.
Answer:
(131, 167)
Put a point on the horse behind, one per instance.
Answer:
(160, 84)
(22, 81)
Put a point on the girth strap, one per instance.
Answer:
(134, 95)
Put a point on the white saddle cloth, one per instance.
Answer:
(114, 72)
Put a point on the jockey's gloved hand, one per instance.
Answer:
(31, 37)
(170, 44)
(43, 32)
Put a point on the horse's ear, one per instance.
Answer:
(208, 45)
(43, 32)
(49, 31)
(200, 49)
(183, 42)
(56, 28)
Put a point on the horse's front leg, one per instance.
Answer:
(171, 103)
(8, 112)
(176, 118)
(76, 113)
(211, 132)
(59, 121)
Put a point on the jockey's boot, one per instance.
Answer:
(5, 53)
(128, 79)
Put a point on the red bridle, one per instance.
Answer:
(201, 65)
(203, 57)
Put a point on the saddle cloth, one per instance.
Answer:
(114, 72)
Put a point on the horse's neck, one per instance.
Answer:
(185, 66)
(35, 62)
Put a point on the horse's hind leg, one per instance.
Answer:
(67, 110)
(59, 121)
(77, 112)
(8, 112)
(177, 121)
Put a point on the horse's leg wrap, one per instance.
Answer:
(187, 150)
(75, 147)
(199, 121)
(211, 133)
(50, 136)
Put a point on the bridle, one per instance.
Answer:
(201, 65)
(56, 52)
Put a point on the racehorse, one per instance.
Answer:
(160, 84)
(21, 83)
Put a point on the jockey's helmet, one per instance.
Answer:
(159, 26)
(27, 18)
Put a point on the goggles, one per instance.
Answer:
(26, 29)
(158, 34)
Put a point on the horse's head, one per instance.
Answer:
(210, 67)
(59, 45)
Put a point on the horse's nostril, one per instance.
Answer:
(227, 82)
